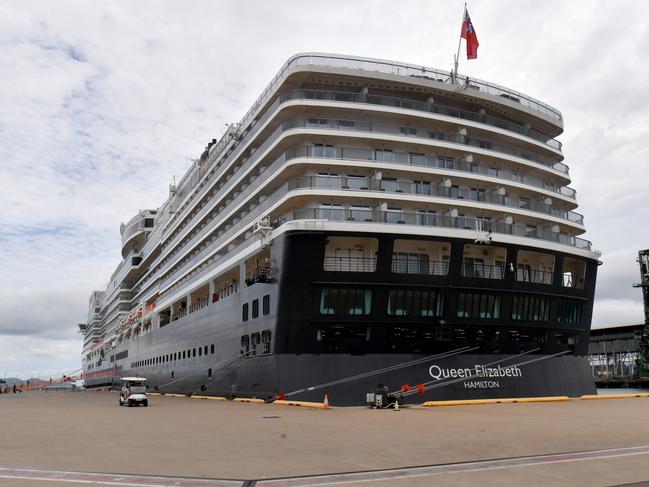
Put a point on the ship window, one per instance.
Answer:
(389, 184)
(360, 213)
(324, 150)
(255, 340)
(331, 211)
(175, 356)
(245, 345)
(209, 373)
(477, 194)
(345, 124)
(205, 350)
(415, 302)
(212, 348)
(244, 312)
(183, 354)
(172, 374)
(574, 273)
(394, 215)
(422, 187)
(148, 222)
(318, 122)
(417, 159)
(478, 306)
(265, 339)
(194, 354)
(530, 308)
(383, 155)
(426, 217)
(255, 308)
(355, 181)
(569, 313)
(345, 301)
(408, 131)
(446, 162)
(200, 351)
(266, 305)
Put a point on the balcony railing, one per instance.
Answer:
(200, 304)
(347, 62)
(422, 133)
(481, 271)
(534, 276)
(403, 265)
(358, 214)
(443, 221)
(410, 70)
(412, 188)
(376, 127)
(179, 314)
(225, 291)
(343, 96)
(350, 264)
(259, 274)
(430, 161)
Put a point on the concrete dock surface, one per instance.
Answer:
(179, 441)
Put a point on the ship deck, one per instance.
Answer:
(180, 437)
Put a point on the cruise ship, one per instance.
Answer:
(367, 224)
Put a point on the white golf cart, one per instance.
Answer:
(133, 392)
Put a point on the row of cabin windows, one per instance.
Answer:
(419, 159)
(251, 344)
(172, 357)
(337, 211)
(265, 303)
(430, 303)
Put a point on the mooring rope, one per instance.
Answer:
(385, 369)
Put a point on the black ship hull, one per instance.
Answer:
(215, 351)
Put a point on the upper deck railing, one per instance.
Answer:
(422, 106)
(412, 70)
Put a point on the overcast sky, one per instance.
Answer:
(102, 103)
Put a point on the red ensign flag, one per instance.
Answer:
(468, 33)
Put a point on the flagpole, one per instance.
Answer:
(459, 44)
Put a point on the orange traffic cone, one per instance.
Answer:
(326, 402)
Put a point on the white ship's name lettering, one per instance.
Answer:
(437, 372)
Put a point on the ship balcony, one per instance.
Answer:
(225, 225)
(489, 172)
(479, 270)
(462, 143)
(472, 169)
(422, 106)
(133, 233)
(366, 67)
(485, 147)
(259, 274)
(425, 188)
(442, 221)
(418, 134)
